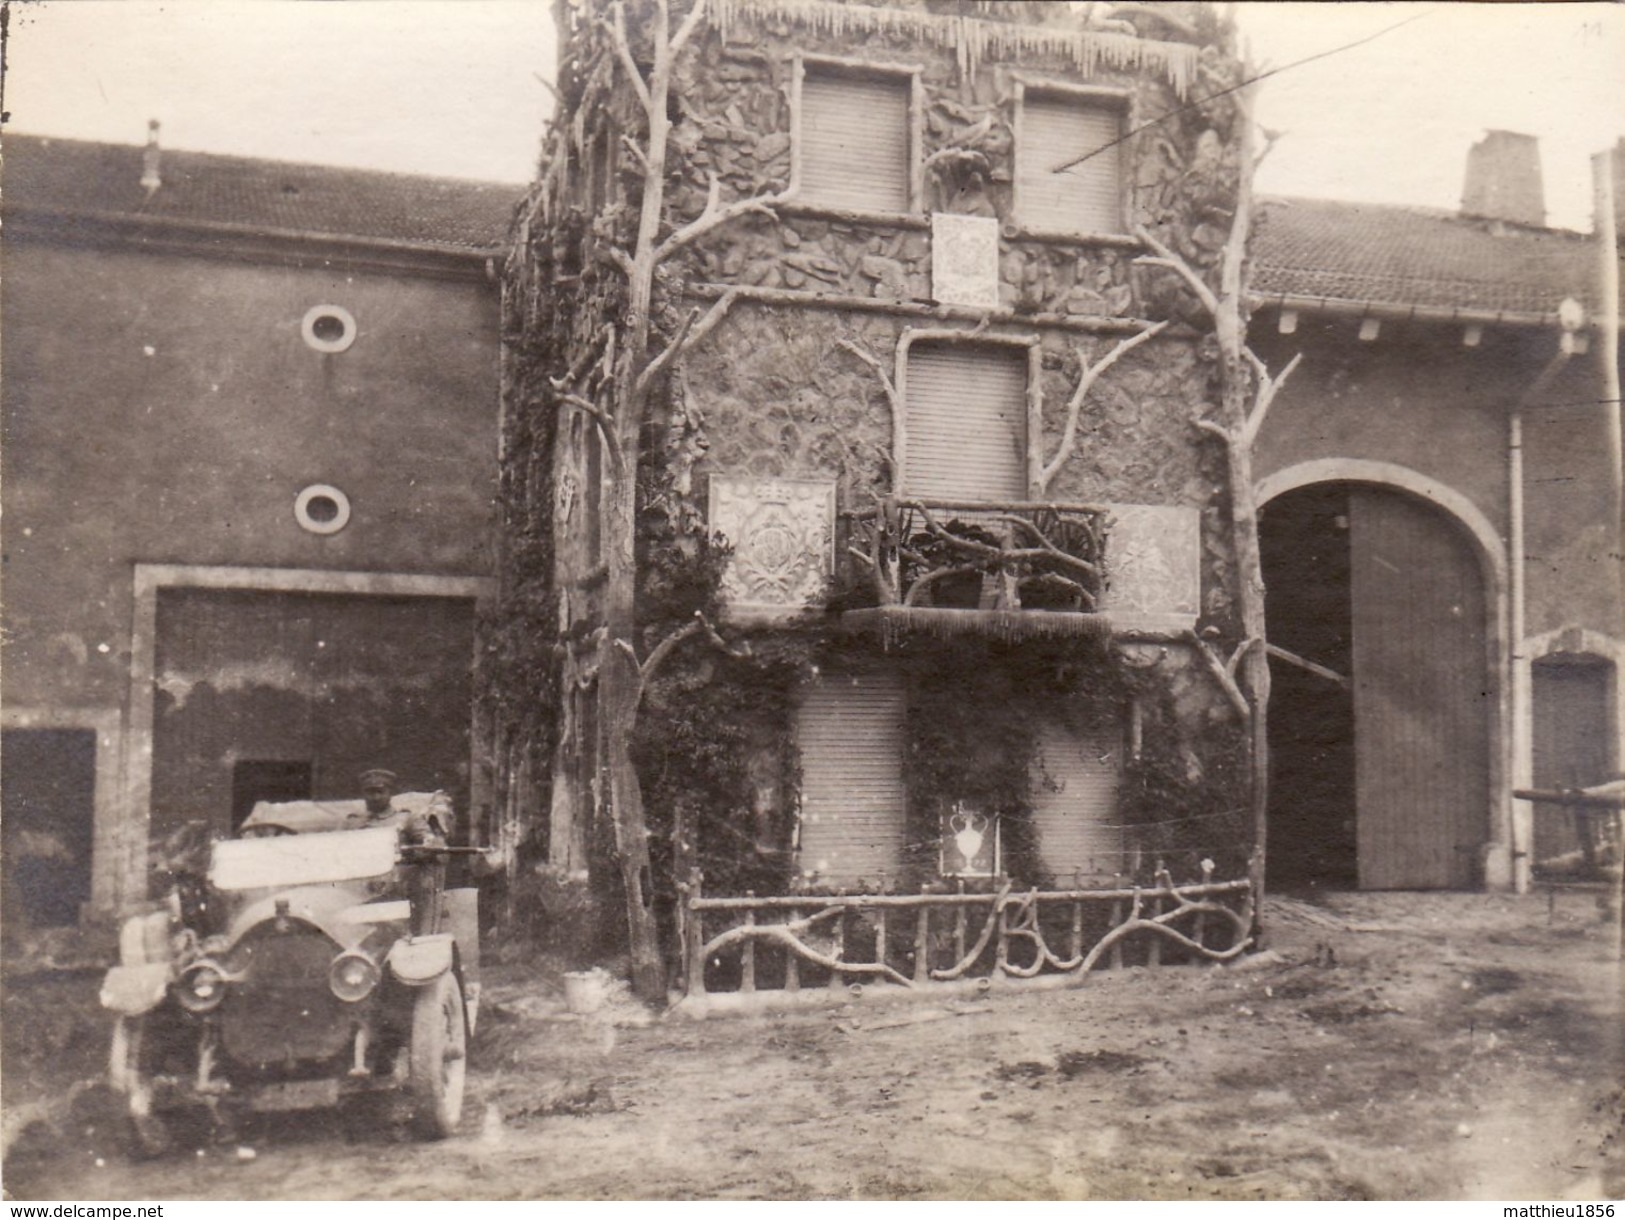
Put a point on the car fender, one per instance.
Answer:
(334, 913)
(133, 990)
(417, 960)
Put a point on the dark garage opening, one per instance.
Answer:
(48, 799)
(1304, 536)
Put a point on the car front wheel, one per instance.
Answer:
(439, 1056)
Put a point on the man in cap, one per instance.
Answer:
(378, 787)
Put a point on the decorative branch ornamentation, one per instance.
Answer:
(1222, 674)
(786, 934)
(615, 382)
(1088, 376)
(606, 426)
(1268, 387)
(909, 549)
(1169, 261)
(923, 584)
(716, 213)
(638, 155)
(976, 950)
(1159, 924)
(698, 625)
(686, 30)
(623, 51)
(886, 382)
(692, 332)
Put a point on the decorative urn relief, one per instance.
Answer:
(781, 531)
(970, 843)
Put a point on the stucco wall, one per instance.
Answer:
(1573, 577)
(1416, 397)
(165, 409)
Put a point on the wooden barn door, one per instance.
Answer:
(850, 729)
(1421, 696)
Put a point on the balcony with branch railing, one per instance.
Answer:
(1015, 569)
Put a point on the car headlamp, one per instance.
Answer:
(201, 987)
(353, 976)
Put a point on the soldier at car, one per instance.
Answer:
(431, 826)
(428, 827)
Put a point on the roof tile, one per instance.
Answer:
(81, 176)
(1413, 256)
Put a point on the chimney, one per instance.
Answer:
(1503, 179)
(149, 160)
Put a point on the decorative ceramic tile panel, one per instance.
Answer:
(782, 533)
(965, 259)
(1154, 560)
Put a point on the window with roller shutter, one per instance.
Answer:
(1075, 781)
(966, 412)
(1056, 129)
(855, 140)
(850, 733)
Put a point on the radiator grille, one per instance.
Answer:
(283, 1012)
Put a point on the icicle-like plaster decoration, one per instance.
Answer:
(972, 38)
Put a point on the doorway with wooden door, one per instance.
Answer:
(1384, 783)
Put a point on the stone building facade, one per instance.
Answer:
(931, 473)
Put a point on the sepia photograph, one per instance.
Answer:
(812, 600)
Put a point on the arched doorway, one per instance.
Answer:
(1383, 782)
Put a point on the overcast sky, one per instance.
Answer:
(450, 86)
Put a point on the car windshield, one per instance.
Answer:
(305, 859)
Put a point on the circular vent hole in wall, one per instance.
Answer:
(322, 509)
(328, 328)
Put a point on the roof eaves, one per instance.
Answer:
(468, 260)
(1403, 311)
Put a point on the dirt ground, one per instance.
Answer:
(1391, 1046)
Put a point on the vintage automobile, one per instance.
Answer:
(311, 964)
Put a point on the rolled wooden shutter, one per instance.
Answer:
(1075, 800)
(850, 730)
(966, 415)
(1087, 197)
(855, 142)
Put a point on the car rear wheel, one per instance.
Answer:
(439, 1056)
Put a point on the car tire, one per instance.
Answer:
(439, 1056)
